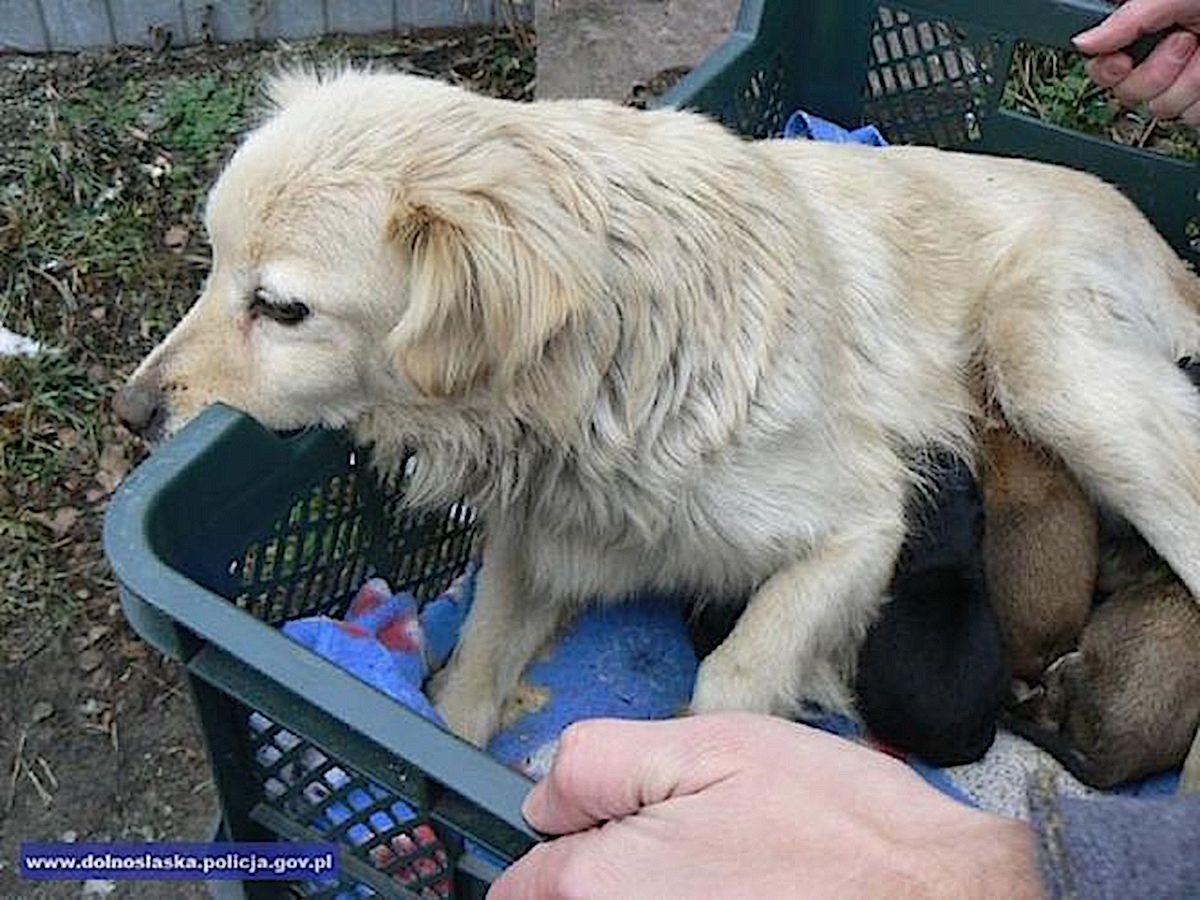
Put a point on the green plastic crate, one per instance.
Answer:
(229, 529)
(929, 72)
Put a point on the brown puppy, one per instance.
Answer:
(1127, 703)
(1040, 551)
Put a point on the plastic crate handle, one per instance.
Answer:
(1050, 22)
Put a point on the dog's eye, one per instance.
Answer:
(292, 312)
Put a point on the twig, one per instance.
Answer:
(168, 694)
(48, 772)
(1147, 132)
(47, 797)
(1025, 90)
(63, 290)
(18, 763)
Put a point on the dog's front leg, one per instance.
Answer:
(504, 629)
(797, 619)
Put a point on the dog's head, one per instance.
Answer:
(380, 238)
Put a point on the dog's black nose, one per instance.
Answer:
(139, 408)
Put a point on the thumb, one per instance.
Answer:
(550, 870)
(1129, 22)
(609, 768)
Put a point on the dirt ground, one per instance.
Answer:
(104, 160)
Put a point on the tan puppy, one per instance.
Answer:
(1127, 703)
(657, 356)
(1040, 551)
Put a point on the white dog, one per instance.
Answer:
(655, 355)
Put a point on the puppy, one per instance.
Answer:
(931, 675)
(1040, 548)
(1127, 703)
(656, 356)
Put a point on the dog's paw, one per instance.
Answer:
(724, 684)
(436, 684)
(472, 714)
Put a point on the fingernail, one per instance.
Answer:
(531, 806)
(1082, 37)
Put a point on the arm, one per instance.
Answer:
(1117, 846)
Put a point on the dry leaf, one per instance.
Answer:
(60, 523)
(64, 520)
(176, 237)
(67, 437)
(90, 660)
(113, 467)
(98, 887)
(99, 681)
(98, 313)
(41, 712)
(94, 634)
(91, 706)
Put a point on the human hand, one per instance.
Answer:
(741, 805)
(1169, 77)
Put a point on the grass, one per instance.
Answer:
(101, 175)
(1053, 85)
(105, 159)
(54, 414)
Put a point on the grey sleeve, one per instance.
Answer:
(1118, 847)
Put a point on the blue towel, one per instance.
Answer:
(633, 660)
(628, 660)
(381, 641)
(805, 125)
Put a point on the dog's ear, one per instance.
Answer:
(484, 294)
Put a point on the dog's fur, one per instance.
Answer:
(1126, 560)
(655, 355)
(931, 674)
(1127, 703)
(1041, 550)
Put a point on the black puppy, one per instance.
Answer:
(931, 674)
